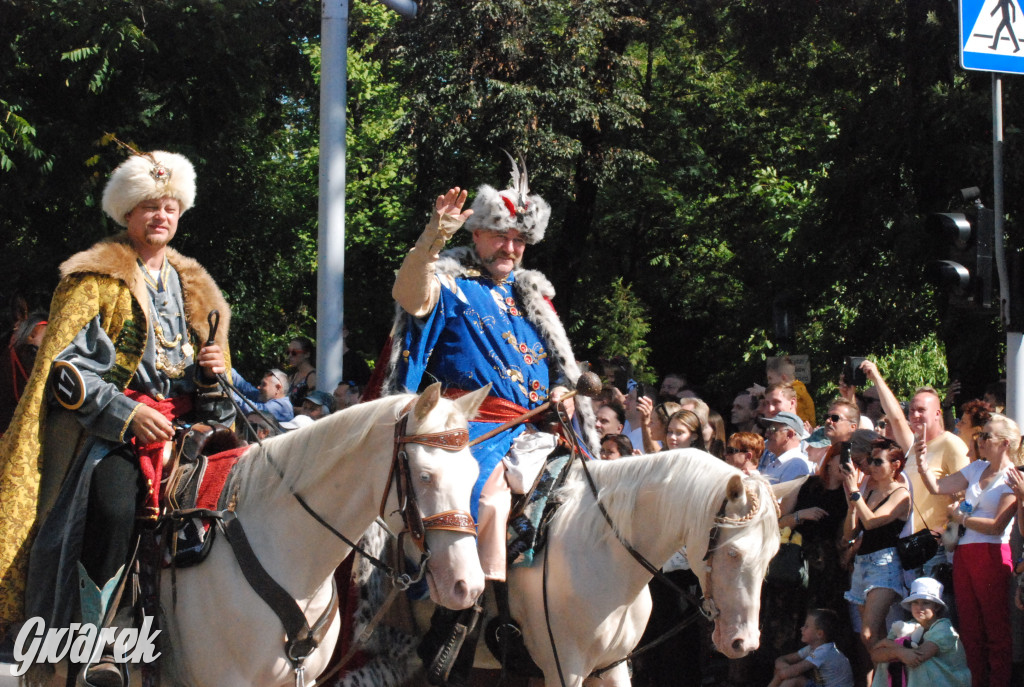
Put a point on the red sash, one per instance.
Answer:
(151, 456)
(493, 409)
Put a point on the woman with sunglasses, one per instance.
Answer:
(744, 450)
(302, 379)
(877, 580)
(982, 565)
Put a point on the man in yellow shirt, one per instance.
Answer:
(947, 454)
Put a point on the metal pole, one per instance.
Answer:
(1014, 339)
(331, 236)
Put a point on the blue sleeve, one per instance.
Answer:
(245, 388)
(794, 467)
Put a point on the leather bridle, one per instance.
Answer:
(301, 639)
(705, 604)
(400, 476)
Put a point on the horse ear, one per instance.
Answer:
(472, 401)
(734, 489)
(427, 401)
(784, 489)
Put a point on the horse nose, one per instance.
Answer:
(461, 590)
(745, 643)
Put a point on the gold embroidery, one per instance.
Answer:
(172, 370)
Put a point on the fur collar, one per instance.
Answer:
(114, 257)
(465, 263)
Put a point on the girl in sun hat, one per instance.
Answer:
(928, 649)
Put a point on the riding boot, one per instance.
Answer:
(94, 604)
(443, 642)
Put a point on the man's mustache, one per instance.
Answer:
(500, 256)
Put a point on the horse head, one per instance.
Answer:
(744, 539)
(441, 481)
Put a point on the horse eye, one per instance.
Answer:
(733, 553)
(425, 477)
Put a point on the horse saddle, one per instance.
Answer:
(206, 456)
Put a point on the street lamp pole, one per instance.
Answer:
(330, 281)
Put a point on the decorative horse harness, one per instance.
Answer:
(301, 638)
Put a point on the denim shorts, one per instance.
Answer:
(873, 570)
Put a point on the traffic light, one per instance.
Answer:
(967, 238)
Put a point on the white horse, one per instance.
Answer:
(222, 634)
(597, 597)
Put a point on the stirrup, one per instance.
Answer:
(440, 667)
(105, 673)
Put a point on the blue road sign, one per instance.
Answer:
(991, 36)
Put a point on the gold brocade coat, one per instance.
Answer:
(103, 281)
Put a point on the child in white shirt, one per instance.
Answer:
(820, 663)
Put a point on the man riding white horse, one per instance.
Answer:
(122, 360)
(472, 316)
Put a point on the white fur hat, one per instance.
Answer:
(512, 208)
(148, 176)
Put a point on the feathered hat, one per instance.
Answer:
(148, 176)
(513, 208)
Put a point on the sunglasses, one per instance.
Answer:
(835, 418)
(293, 351)
(730, 450)
(877, 462)
(983, 436)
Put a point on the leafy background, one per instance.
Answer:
(709, 165)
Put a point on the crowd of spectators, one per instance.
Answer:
(870, 470)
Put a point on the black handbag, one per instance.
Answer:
(788, 568)
(918, 548)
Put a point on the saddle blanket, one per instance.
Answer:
(526, 531)
(200, 486)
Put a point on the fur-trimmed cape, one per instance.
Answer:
(103, 281)
(534, 292)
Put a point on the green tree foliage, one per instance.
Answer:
(623, 330)
(708, 164)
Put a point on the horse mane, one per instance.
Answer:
(341, 433)
(688, 484)
(766, 519)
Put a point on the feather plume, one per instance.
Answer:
(520, 184)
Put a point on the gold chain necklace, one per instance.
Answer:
(172, 370)
(158, 330)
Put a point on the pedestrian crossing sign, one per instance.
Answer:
(991, 32)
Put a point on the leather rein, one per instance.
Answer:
(301, 639)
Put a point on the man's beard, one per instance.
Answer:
(157, 241)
